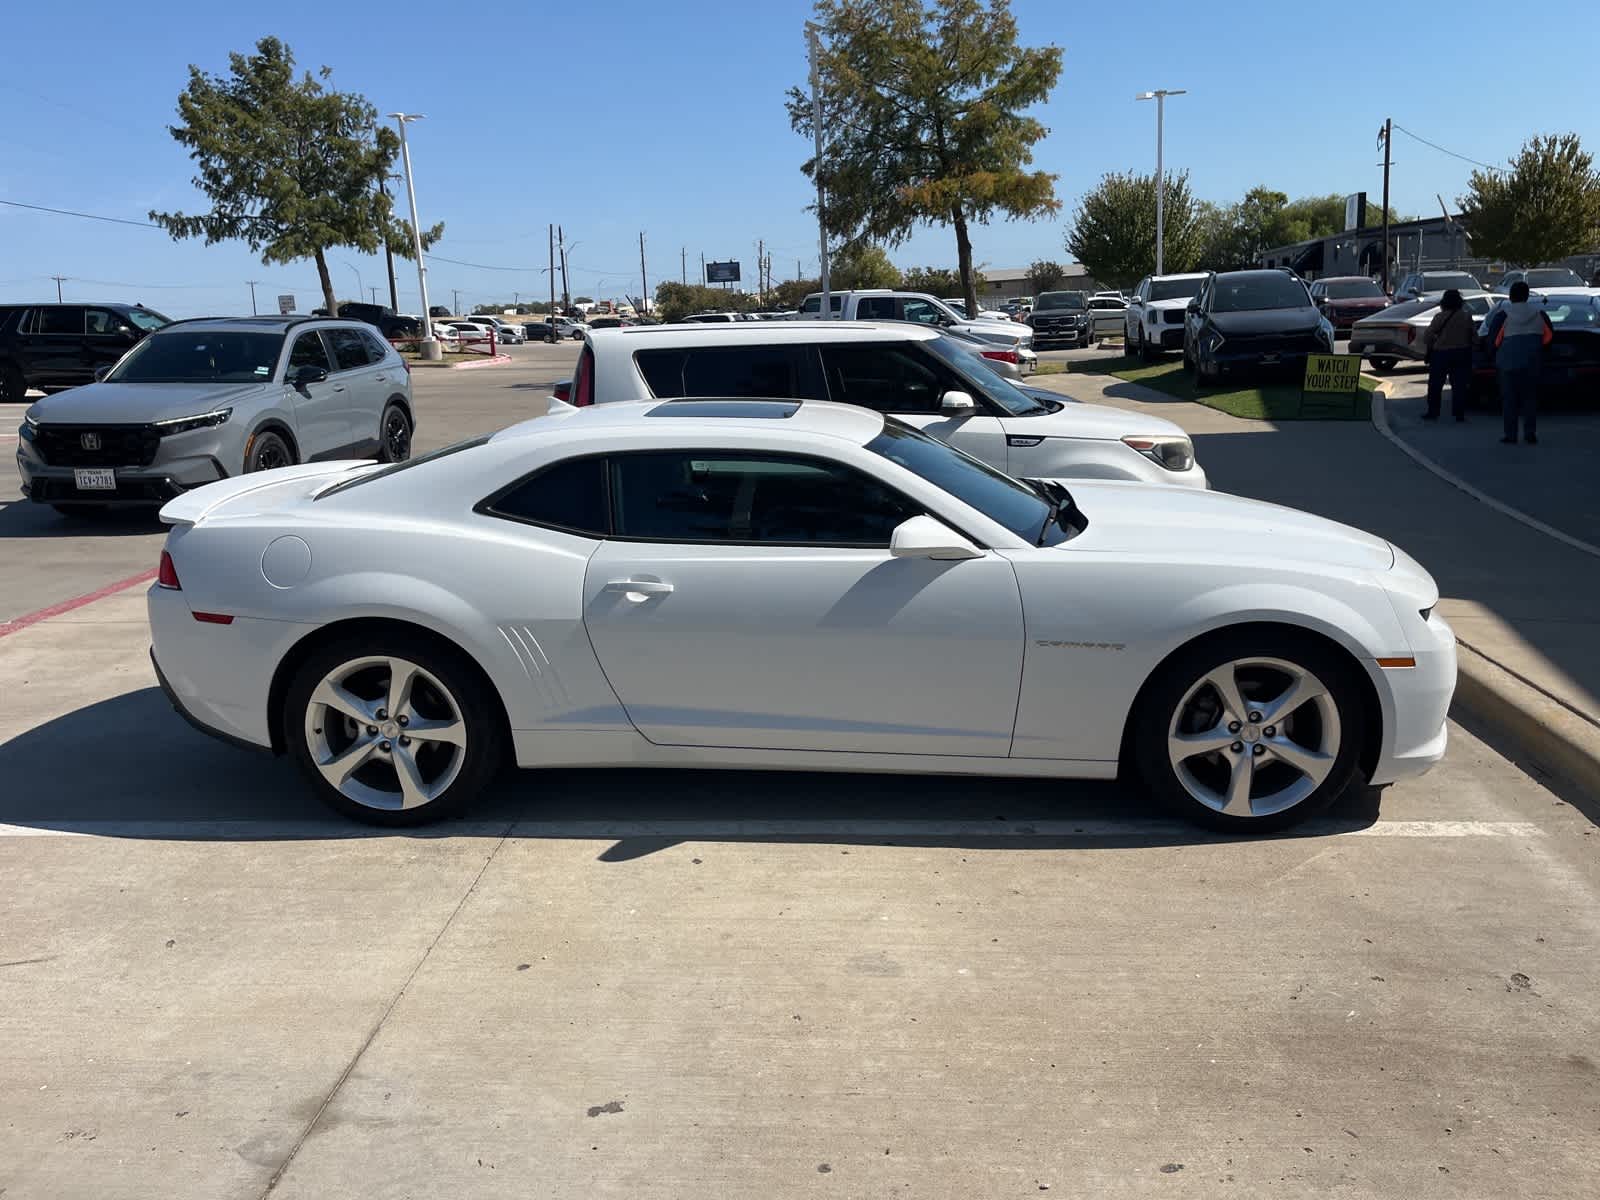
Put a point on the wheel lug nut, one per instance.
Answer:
(1237, 747)
(372, 731)
(1270, 730)
(384, 746)
(383, 714)
(1233, 727)
(1259, 751)
(405, 720)
(1255, 716)
(404, 740)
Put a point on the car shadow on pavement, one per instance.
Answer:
(130, 767)
(25, 519)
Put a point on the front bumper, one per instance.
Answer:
(1229, 361)
(1419, 704)
(136, 486)
(1370, 346)
(1070, 335)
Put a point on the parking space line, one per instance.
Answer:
(754, 830)
(66, 606)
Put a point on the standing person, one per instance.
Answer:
(1449, 347)
(1519, 331)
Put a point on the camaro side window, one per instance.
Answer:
(570, 495)
(689, 496)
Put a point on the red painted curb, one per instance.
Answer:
(66, 606)
(496, 361)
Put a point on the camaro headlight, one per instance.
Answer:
(1173, 453)
(189, 424)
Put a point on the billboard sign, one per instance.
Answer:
(722, 272)
(1355, 211)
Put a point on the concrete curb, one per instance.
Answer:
(1553, 735)
(499, 360)
(1380, 421)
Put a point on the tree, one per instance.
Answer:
(1114, 228)
(1546, 207)
(939, 281)
(1045, 276)
(922, 119)
(861, 266)
(791, 293)
(291, 168)
(674, 300)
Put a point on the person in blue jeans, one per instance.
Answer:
(1449, 345)
(1519, 331)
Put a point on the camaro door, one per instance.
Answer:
(749, 599)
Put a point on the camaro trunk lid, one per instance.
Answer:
(254, 493)
(1175, 523)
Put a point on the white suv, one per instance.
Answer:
(1153, 322)
(920, 375)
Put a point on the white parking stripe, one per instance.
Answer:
(692, 831)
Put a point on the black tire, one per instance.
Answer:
(1381, 364)
(482, 753)
(267, 451)
(1158, 714)
(13, 387)
(394, 435)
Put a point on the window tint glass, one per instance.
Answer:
(1353, 289)
(889, 378)
(102, 322)
(725, 371)
(1174, 289)
(1248, 292)
(194, 354)
(349, 348)
(1054, 300)
(1006, 500)
(376, 351)
(309, 352)
(690, 496)
(922, 312)
(570, 495)
(875, 308)
(61, 319)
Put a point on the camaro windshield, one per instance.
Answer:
(998, 496)
(199, 355)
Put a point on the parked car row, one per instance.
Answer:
(55, 346)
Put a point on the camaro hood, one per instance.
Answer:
(1267, 320)
(1183, 523)
(137, 403)
(1099, 421)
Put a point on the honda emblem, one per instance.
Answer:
(90, 441)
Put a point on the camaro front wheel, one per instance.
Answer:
(1252, 733)
(393, 731)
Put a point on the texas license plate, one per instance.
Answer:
(97, 479)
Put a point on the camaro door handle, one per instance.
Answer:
(639, 589)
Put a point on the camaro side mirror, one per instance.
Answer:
(924, 537)
(308, 374)
(957, 402)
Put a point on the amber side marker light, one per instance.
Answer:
(1389, 663)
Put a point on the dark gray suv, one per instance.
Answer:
(202, 400)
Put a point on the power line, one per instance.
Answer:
(1451, 153)
(67, 212)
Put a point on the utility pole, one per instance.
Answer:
(1160, 97)
(60, 279)
(455, 301)
(702, 269)
(566, 295)
(431, 350)
(761, 280)
(1387, 137)
(644, 284)
(826, 309)
(388, 254)
(252, 283)
(683, 264)
(552, 325)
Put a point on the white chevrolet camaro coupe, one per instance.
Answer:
(788, 584)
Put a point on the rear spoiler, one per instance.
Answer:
(193, 506)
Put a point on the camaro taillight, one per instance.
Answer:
(167, 575)
(1008, 356)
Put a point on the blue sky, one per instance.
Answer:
(669, 119)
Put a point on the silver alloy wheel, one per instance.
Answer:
(1254, 736)
(385, 733)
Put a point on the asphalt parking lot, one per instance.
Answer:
(734, 984)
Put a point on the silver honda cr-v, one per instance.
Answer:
(204, 399)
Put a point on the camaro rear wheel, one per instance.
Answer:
(392, 731)
(1252, 733)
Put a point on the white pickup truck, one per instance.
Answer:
(1013, 342)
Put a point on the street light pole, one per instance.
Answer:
(1160, 97)
(430, 345)
(826, 309)
(252, 283)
